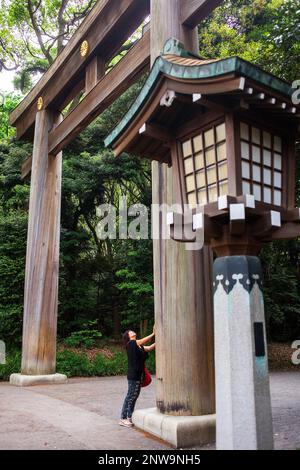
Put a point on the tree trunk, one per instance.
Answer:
(116, 321)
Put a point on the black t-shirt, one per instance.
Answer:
(136, 360)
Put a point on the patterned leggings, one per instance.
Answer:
(134, 389)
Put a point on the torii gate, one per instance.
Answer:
(182, 319)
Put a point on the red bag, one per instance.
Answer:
(147, 379)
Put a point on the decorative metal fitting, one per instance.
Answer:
(84, 48)
(40, 103)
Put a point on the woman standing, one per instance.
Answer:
(137, 353)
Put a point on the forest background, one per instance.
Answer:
(106, 286)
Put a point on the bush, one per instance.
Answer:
(74, 364)
(13, 230)
(117, 365)
(150, 364)
(13, 365)
(87, 337)
(78, 364)
(83, 338)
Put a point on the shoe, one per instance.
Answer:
(126, 423)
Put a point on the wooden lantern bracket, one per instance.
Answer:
(235, 225)
(186, 227)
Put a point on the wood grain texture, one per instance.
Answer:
(165, 24)
(233, 152)
(184, 321)
(194, 11)
(182, 279)
(93, 72)
(70, 48)
(42, 259)
(101, 93)
(107, 90)
(289, 146)
(106, 28)
(26, 168)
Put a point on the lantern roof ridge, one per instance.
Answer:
(175, 47)
(177, 63)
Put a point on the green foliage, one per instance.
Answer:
(33, 32)
(88, 280)
(150, 363)
(265, 32)
(84, 338)
(282, 300)
(7, 103)
(75, 364)
(14, 196)
(108, 284)
(117, 365)
(136, 287)
(282, 33)
(13, 365)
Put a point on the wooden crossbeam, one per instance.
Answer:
(26, 168)
(267, 223)
(106, 28)
(156, 132)
(94, 72)
(256, 98)
(70, 96)
(286, 232)
(71, 73)
(107, 90)
(194, 11)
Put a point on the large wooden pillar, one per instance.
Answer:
(42, 260)
(183, 279)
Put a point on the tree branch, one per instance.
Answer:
(5, 67)
(79, 16)
(35, 68)
(30, 51)
(38, 32)
(37, 7)
(61, 26)
(10, 54)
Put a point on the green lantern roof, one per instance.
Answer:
(176, 62)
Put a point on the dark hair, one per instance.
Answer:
(126, 339)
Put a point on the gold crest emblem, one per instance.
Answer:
(40, 103)
(84, 49)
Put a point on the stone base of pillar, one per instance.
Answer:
(180, 431)
(21, 380)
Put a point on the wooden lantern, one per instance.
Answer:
(229, 130)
